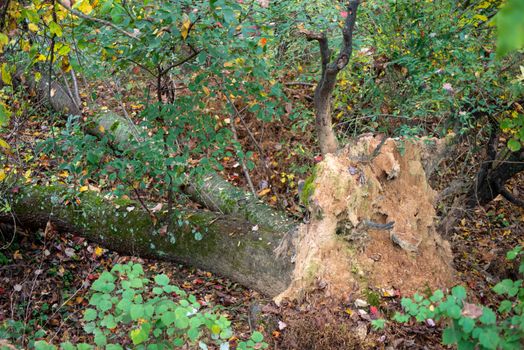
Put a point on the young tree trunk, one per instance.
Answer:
(324, 89)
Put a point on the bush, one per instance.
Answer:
(472, 326)
(128, 310)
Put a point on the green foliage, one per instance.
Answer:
(472, 326)
(124, 304)
(510, 27)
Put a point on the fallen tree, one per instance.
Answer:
(372, 225)
(229, 246)
(372, 222)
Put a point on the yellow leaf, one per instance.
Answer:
(17, 255)
(38, 76)
(85, 7)
(481, 18)
(99, 251)
(3, 41)
(206, 90)
(2, 175)
(63, 174)
(26, 46)
(186, 24)
(83, 188)
(32, 27)
(215, 329)
(264, 192)
(6, 75)
(101, 128)
(229, 64)
(4, 144)
(40, 58)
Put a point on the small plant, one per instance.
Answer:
(473, 326)
(122, 315)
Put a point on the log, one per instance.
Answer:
(229, 246)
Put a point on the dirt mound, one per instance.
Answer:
(372, 223)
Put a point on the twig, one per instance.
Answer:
(75, 89)
(97, 20)
(69, 92)
(242, 162)
(298, 83)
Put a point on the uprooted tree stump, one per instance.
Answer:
(372, 223)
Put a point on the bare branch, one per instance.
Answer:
(97, 20)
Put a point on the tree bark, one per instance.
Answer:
(324, 89)
(491, 181)
(230, 246)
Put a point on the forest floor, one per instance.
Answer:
(45, 276)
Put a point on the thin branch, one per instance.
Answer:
(347, 33)
(97, 20)
(301, 83)
(510, 198)
(180, 62)
(75, 89)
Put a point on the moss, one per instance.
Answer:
(373, 298)
(311, 272)
(309, 187)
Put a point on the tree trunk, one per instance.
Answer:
(492, 178)
(229, 246)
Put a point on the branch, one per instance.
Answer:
(179, 63)
(97, 20)
(322, 42)
(347, 33)
(510, 198)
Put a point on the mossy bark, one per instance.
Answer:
(230, 246)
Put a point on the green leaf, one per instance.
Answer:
(42, 345)
(437, 296)
(467, 324)
(100, 338)
(257, 337)
(138, 336)
(168, 318)
(114, 347)
(514, 145)
(450, 336)
(90, 315)
(55, 29)
(5, 114)
(378, 324)
(513, 253)
(67, 346)
(489, 339)
(488, 316)
(505, 306)
(454, 311)
(459, 292)
(508, 287)
(162, 280)
(136, 311)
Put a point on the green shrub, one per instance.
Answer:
(472, 326)
(127, 308)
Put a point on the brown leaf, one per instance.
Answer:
(471, 310)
